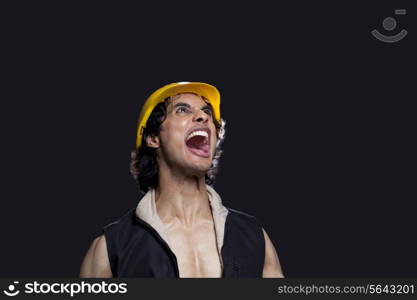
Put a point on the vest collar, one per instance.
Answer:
(146, 210)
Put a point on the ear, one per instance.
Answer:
(152, 141)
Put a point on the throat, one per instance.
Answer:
(184, 208)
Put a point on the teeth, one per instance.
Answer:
(198, 132)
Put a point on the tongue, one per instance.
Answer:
(198, 143)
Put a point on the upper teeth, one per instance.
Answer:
(198, 132)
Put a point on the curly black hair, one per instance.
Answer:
(143, 164)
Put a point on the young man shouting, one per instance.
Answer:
(180, 227)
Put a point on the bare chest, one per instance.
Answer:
(196, 250)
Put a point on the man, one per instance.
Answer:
(180, 227)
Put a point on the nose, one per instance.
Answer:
(200, 116)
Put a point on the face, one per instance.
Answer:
(187, 139)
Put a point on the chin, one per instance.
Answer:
(199, 169)
(203, 169)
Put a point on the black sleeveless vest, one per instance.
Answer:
(135, 249)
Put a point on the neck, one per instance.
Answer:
(182, 198)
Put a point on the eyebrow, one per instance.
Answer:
(182, 104)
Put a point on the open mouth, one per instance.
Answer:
(198, 142)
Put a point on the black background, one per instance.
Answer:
(320, 125)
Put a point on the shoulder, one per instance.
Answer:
(245, 225)
(243, 217)
(118, 232)
(96, 262)
(272, 266)
(240, 213)
(123, 221)
(249, 223)
(99, 260)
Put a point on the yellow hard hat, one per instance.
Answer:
(203, 89)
